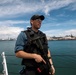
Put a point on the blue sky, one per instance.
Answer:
(60, 16)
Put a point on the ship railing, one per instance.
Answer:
(5, 70)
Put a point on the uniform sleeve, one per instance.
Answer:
(20, 42)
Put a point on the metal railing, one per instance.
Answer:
(5, 70)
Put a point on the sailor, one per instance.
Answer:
(29, 45)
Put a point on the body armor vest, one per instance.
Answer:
(35, 43)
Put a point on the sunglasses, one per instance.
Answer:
(39, 20)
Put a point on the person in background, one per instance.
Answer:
(32, 46)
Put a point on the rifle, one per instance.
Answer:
(43, 66)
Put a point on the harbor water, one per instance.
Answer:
(63, 56)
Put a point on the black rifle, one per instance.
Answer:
(43, 67)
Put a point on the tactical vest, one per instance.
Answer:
(33, 45)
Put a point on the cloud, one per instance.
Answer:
(12, 22)
(42, 1)
(72, 6)
(19, 7)
(11, 32)
(71, 31)
(56, 4)
(61, 29)
(13, 8)
(8, 28)
(59, 32)
(53, 32)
